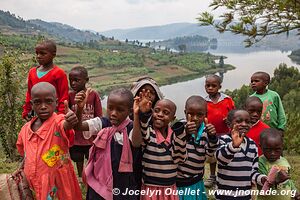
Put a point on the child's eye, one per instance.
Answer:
(166, 112)
(36, 102)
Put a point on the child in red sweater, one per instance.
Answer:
(218, 106)
(78, 77)
(254, 107)
(46, 72)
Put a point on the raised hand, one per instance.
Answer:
(281, 176)
(210, 129)
(237, 137)
(81, 97)
(144, 102)
(191, 126)
(70, 118)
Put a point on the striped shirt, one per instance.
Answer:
(160, 160)
(237, 169)
(192, 170)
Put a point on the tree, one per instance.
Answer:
(182, 48)
(254, 19)
(12, 90)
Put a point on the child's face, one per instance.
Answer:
(212, 86)
(163, 114)
(254, 108)
(258, 82)
(241, 119)
(77, 80)
(152, 95)
(44, 55)
(118, 109)
(197, 112)
(43, 103)
(272, 148)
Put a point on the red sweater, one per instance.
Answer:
(217, 113)
(92, 109)
(254, 134)
(57, 77)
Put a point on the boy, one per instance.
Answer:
(237, 160)
(78, 77)
(272, 146)
(202, 143)
(254, 107)
(273, 112)
(218, 106)
(163, 147)
(46, 72)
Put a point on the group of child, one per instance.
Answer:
(136, 151)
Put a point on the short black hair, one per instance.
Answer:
(81, 69)
(265, 75)
(218, 78)
(123, 92)
(251, 99)
(51, 45)
(195, 99)
(45, 86)
(171, 103)
(270, 133)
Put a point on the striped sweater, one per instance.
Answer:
(237, 169)
(160, 161)
(192, 170)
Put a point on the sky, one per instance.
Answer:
(101, 15)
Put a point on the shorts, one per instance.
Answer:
(78, 153)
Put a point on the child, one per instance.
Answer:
(111, 156)
(237, 160)
(147, 83)
(144, 83)
(272, 146)
(203, 142)
(78, 78)
(46, 72)
(254, 107)
(273, 112)
(163, 147)
(44, 143)
(218, 106)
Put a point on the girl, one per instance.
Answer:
(237, 160)
(112, 156)
(78, 78)
(202, 143)
(44, 143)
(163, 147)
(46, 72)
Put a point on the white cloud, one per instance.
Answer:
(102, 15)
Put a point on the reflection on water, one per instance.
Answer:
(246, 64)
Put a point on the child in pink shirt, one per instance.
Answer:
(44, 142)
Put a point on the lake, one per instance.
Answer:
(246, 64)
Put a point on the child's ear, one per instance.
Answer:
(87, 79)
(174, 118)
(31, 103)
(56, 102)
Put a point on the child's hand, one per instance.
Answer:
(281, 176)
(70, 118)
(263, 180)
(81, 98)
(144, 103)
(190, 127)
(237, 137)
(210, 129)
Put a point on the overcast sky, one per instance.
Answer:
(100, 15)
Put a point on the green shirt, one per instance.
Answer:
(273, 112)
(264, 167)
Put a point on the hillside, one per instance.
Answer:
(226, 40)
(12, 24)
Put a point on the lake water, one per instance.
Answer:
(246, 64)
